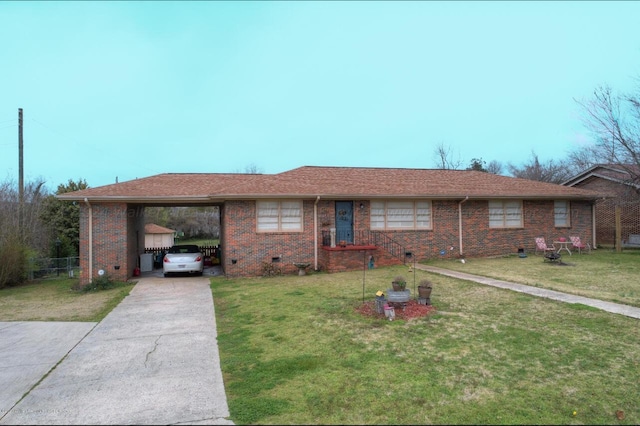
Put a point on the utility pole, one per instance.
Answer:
(20, 176)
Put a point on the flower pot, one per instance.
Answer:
(424, 292)
(397, 286)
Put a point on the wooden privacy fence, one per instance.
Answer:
(210, 253)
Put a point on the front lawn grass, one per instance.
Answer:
(603, 274)
(53, 299)
(295, 351)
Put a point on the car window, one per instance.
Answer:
(184, 249)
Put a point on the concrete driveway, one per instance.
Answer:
(153, 360)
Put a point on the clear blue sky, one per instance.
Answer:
(132, 89)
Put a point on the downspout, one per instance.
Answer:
(315, 234)
(90, 239)
(460, 223)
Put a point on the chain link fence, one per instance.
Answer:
(54, 267)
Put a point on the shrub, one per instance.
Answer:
(270, 269)
(13, 268)
(426, 283)
(400, 280)
(102, 282)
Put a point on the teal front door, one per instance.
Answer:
(344, 221)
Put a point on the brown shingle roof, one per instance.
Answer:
(152, 228)
(620, 174)
(328, 182)
(196, 187)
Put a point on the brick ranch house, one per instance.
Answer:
(623, 193)
(335, 218)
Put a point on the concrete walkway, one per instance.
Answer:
(615, 308)
(153, 360)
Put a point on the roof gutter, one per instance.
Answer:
(315, 234)
(86, 200)
(460, 224)
(138, 198)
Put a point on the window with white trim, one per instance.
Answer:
(400, 215)
(279, 216)
(561, 213)
(505, 214)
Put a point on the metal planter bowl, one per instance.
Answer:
(401, 296)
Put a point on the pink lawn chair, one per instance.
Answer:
(542, 246)
(576, 243)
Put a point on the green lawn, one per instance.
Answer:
(294, 350)
(198, 241)
(604, 274)
(52, 299)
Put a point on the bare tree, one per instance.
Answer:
(31, 232)
(251, 169)
(495, 167)
(443, 156)
(551, 171)
(614, 121)
(21, 230)
(581, 159)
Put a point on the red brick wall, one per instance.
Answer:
(135, 237)
(621, 196)
(480, 240)
(116, 237)
(348, 259)
(250, 249)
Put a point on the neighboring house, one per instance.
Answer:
(336, 218)
(156, 236)
(621, 191)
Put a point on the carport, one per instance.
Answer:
(112, 236)
(112, 217)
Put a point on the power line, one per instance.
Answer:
(92, 148)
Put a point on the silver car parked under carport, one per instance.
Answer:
(185, 258)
